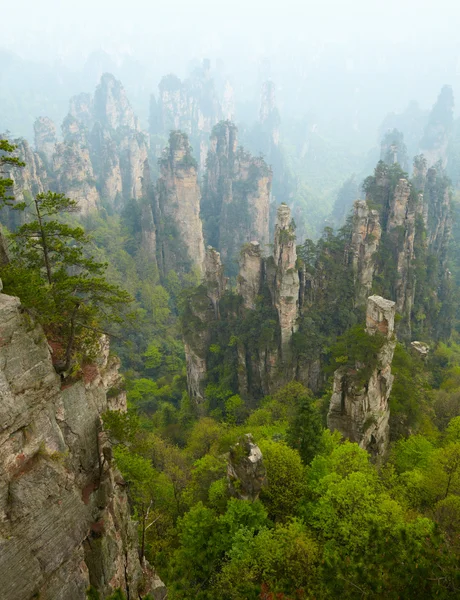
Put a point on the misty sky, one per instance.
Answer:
(69, 30)
(346, 63)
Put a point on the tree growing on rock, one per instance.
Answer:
(54, 275)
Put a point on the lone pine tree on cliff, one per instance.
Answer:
(54, 276)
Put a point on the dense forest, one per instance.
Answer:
(292, 426)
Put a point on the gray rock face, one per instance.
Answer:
(236, 193)
(111, 106)
(74, 176)
(246, 471)
(179, 204)
(286, 282)
(64, 515)
(250, 274)
(365, 241)
(204, 308)
(45, 137)
(28, 180)
(361, 413)
(401, 231)
(216, 282)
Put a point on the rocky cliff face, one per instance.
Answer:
(203, 311)
(250, 274)
(236, 196)
(435, 141)
(28, 180)
(64, 514)
(216, 282)
(73, 175)
(401, 231)
(111, 107)
(179, 198)
(284, 282)
(191, 106)
(361, 411)
(437, 211)
(365, 239)
(45, 137)
(104, 155)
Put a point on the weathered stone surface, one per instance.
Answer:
(420, 349)
(179, 205)
(28, 180)
(58, 490)
(216, 282)
(438, 215)
(246, 472)
(401, 231)
(111, 106)
(236, 195)
(149, 243)
(286, 283)
(45, 137)
(250, 274)
(365, 241)
(196, 341)
(74, 175)
(361, 412)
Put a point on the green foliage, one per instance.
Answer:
(72, 298)
(6, 158)
(357, 351)
(305, 430)
(285, 474)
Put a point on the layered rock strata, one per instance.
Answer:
(361, 411)
(64, 513)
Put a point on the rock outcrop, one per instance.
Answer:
(203, 311)
(401, 233)
(73, 175)
(28, 180)
(284, 281)
(45, 137)
(246, 472)
(250, 274)
(438, 131)
(111, 107)
(216, 282)
(64, 514)
(236, 196)
(192, 106)
(360, 410)
(179, 198)
(365, 239)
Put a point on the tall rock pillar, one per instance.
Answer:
(361, 412)
(285, 283)
(179, 205)
(365, 241)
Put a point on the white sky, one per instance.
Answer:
(70, 29)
